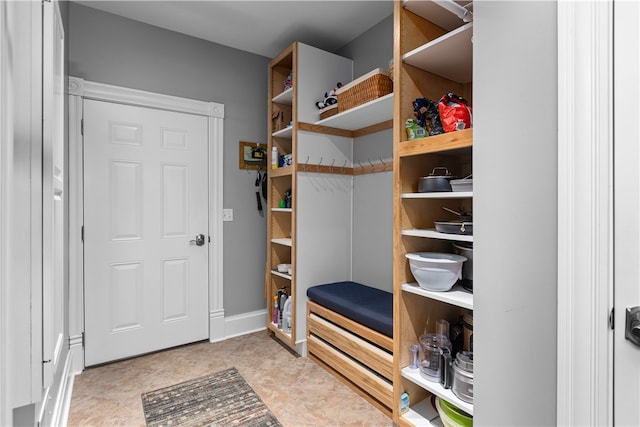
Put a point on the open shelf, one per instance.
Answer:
(435, 13)
(422, 414)
(285, 335)
(286, 133)
(440, 195)
(284, 171)
(449, 56)
(456, 296)
(283, 275)
(431, 233)
(282, 241)
(449, 141)
(368, 114)
(414, 376)
(285, 97)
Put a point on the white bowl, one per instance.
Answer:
(435, 271)
(284, 268)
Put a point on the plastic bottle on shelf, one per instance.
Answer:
(275, 309)
(286, 315)
(274, 158)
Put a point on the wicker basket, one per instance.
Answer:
(364, 89)
(329, 111)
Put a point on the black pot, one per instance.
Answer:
(436, 183)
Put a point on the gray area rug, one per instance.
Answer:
(221, 399)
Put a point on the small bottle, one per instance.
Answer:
(404, 402)
(274, 158)
(275, 309)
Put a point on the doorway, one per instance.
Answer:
(145, 304)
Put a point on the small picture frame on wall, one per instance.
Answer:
(252, 155)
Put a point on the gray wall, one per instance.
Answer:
(515, 209)
(373, 49)
(372, 257)
(109, 49)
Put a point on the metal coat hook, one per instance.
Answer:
(344, 166)
(384, 165)
(318, 165)
(361, 167)
(373, 168)
(332, 163)
(306, 163)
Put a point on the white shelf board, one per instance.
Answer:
(439, 195)
(275, 325)
(456, 296)
(281, 210)
(285, 97)
(283, 133)
(449, 56)
(435, 13)
(422, 414)
(377, 111)
(283, 241)
(431, 233)
(284, 275)
(414, 376)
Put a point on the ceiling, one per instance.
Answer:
(261, 27)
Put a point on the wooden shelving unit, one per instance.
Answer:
(432, 56)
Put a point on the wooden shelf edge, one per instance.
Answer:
(437, 143)
(285, 171)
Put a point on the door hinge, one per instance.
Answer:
(611, 318)
(82, 127)
(209, 239)
(82, 233)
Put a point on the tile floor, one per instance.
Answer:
(296, 389)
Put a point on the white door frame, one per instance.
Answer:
(80, 89)
(585, 213)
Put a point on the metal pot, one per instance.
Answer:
(436, 183)
(466, 250)
(454, 227)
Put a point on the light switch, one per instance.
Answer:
(227, 214)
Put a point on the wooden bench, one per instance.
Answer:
(360, 357)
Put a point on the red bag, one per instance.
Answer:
(455, 114)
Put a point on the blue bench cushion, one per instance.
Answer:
(366, 305)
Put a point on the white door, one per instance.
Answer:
(146, 200)
(626, 399)
(53, 176)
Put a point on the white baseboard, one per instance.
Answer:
(76, 351)
(245, 323)
(56, 412)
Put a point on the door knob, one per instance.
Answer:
(199, 241)
(632, 327)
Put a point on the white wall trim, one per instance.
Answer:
(585, 220)
(245, 323)
(122, 95)
(75, 177)
(80, 89)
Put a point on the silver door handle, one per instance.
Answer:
(199, 241)
(632, 327)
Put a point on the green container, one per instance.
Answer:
(452, 416)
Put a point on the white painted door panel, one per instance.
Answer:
(626, 397)
(146, 198)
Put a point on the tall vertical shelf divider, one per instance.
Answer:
(432, 56)
(309, 234)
